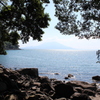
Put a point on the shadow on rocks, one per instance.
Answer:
(63, 90)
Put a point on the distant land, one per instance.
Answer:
(50, 45)
(10, 46)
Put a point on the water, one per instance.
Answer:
(82, 64)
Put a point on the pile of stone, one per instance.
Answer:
(26, 84)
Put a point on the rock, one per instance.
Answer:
(37, 84)
(83, 85)
(12, 97)
(57, 82)
(69, 76)
(39, 97)
(98, 91)
(96, 78)
(78, 89)
(25, 84)
(33, 72)
(1, 71)
(9, 83)
(46, 87)
(79, 96)
(56, 73)
(61, 99)
(89, 92)
(3, 87)
(34, 88)
(63, 90)
(66, 77)
(44, 79)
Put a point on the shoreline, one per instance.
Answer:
(26, 84)
(14, 49)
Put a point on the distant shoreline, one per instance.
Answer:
(14, 49)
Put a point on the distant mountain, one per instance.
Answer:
(51, 45)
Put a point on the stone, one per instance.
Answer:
(79, 96)
(33, 72)
(39, 97)
(83, 85)
(37, 84)
(66, 77)
(13, 97)
(78, 89)
(3, 87)
(61, 99)
(96, 78)
(46, 87)
(63, 90)
(44, 79)
(56, 73)
(70, 75)
(27, 85)
(89, 92)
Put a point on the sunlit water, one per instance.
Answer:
(82, 64)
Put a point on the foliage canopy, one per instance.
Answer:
(22, 19)
(78, 17)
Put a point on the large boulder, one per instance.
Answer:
(33, 72)
(7, 83)
(63, 90)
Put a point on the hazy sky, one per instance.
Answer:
(53, 35)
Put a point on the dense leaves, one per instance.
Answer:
(79, 17)
(22, 19)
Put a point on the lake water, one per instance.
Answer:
(82, 64)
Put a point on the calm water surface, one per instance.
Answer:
(82, 64)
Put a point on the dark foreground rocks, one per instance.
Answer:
(26, 84)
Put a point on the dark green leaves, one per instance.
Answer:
(23, 19)
(79, 17)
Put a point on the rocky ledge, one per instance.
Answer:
(26, 84)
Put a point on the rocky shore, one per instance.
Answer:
(26, 84)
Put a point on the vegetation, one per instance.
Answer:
(22, 19)
(79, 17)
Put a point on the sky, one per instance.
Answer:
(53, 35)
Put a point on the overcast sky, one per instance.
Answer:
(53, 35)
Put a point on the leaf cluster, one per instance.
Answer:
(23, 19)
(78, 17)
